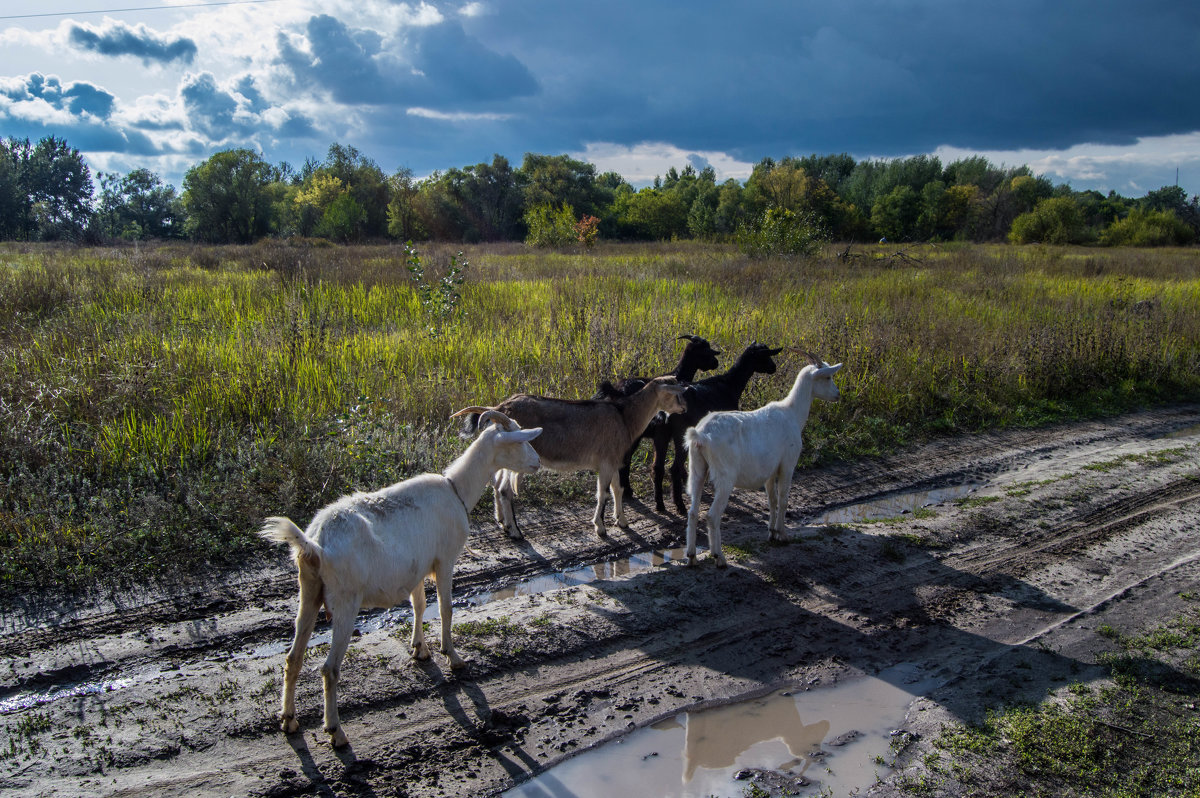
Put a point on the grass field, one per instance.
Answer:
(157, 401)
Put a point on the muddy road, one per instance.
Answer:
(996, 559)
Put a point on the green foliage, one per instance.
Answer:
(781, 233)
(1148, 229)
(551, 226)
(1056, 220)
(227, 197)
(652, 214)
(45, 190)
(440, 299)
(138, 206)
(343, 218)
(895, 215)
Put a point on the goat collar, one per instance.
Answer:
(454, 488)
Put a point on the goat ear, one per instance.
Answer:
(830, 370)
(518, 435)
(774, 352)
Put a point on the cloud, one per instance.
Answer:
(118, 38)
(641, 163)
(77, 99)
(443, 68)
(210, 109)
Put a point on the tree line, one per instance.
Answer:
(235, 196)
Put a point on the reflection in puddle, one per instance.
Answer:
(893, 505)
(613, 569)
(838, 750)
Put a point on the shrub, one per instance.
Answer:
(1148, 229)
(1056, 220)
(551, 226)
(780, 232)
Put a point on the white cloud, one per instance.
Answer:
(641, 163)
(457, 116)
(1106, 167)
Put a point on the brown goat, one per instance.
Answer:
(581, 435)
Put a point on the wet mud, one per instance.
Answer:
(958, 574)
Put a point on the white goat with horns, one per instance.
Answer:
(751, 449)
(376, 549)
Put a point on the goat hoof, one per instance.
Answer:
(458, 665)
(691, 560)
(338, 738)
(721, 562)
(420, 653)
(289, 725)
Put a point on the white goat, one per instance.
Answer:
(376, 549)
(751, 449)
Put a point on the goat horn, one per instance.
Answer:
(471, 409)
(499, 419)
(686, 338)
(816, 361)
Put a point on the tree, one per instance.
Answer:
(651, 214)
(138, 206)
(895, 215)
(365, 182)
(227, 197)
(403, 222)
(46, 187)
(562, 180)
(1055, 220)
(12, 199)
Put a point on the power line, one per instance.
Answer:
(138, 8)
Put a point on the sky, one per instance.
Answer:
(1099, 94)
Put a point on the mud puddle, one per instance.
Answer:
(821, 741)
(894, 505)
(30, 700)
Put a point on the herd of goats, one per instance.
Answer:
(376, 549)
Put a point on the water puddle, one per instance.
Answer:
(825, 741)
(612, 569)
(1186, 432)
(28, 700)
(893, 505)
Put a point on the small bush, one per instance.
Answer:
(781, 233)
(550, 226)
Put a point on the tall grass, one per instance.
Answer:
(157, 402)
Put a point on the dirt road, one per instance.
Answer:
(1039, 537)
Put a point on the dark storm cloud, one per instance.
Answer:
(867, 76)
(441, 66)
(117, 38)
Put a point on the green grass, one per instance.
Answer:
(1135, 737)
(156, 402)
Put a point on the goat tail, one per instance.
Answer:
(278, 529)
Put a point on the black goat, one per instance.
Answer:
(721, 392)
